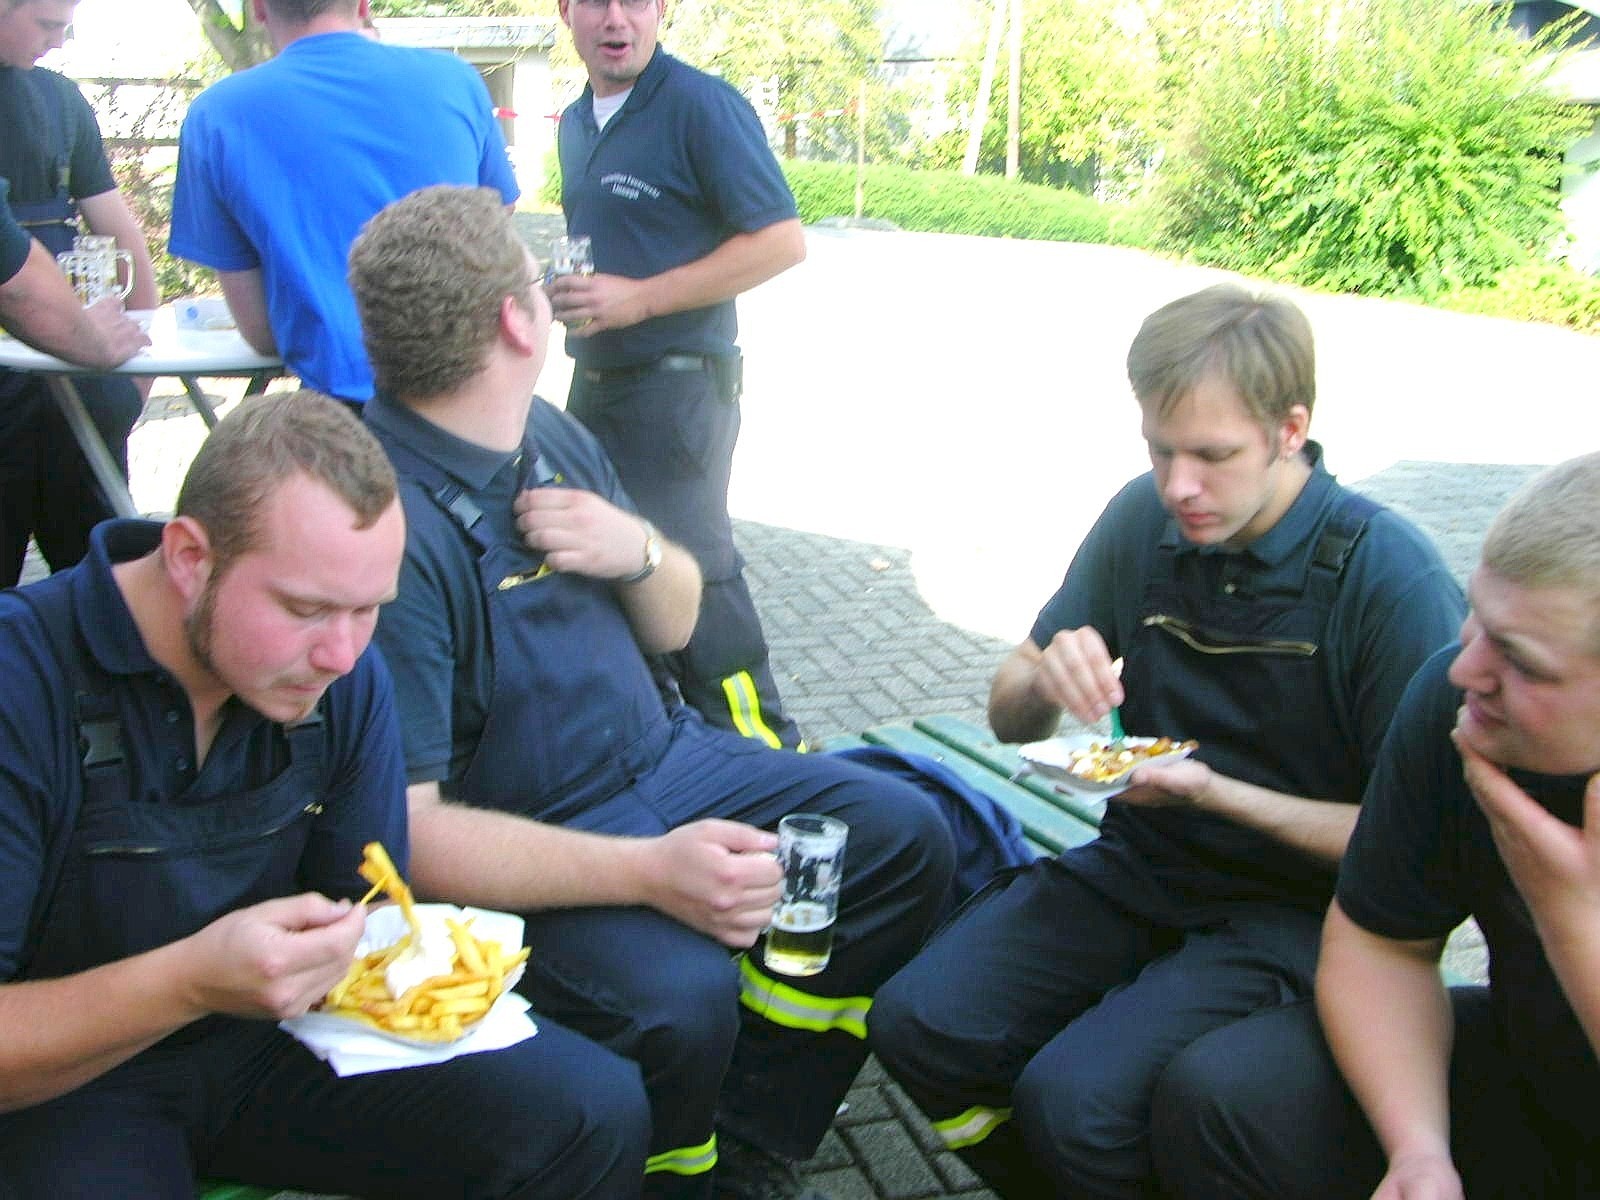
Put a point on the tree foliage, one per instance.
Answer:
(241, 42)
(1092, 110)
(817, 52)
(1394, 147)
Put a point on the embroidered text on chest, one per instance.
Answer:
(629, 186)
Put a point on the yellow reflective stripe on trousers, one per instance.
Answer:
(971, 1127)
(794, 1009)
(744, 705)
(685, 1160)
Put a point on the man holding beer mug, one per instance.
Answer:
(52, 158)
(547, 775)
(39, 307)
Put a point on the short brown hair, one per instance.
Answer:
(1548, 534)
(298, 12)
(429, 274)
(1260, 344)
(263, 442)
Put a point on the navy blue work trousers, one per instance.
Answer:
(712, 1051)
(671, 435)
(46, 487)
(1259, 1109)
(1033, 1027)
(555, 1117)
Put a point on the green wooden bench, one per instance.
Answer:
(1052, 817)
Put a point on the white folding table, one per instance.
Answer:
(187, 354)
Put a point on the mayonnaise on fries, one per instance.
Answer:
(433, 984)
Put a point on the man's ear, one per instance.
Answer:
(186, 553)
(561, 8)
(1294, 430)
(259, 7)
(521, 329)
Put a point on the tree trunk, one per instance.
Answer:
(1014, 94)
(980, 106)
(240, 46)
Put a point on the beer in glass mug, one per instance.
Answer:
(811, 852)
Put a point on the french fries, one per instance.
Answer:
(1107, 762)
(440, 1008)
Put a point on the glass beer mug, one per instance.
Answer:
(96, 268)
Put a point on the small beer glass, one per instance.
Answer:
(571, 256)
(811, 853)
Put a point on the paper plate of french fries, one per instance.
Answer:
(1090, 763)
(425, 975)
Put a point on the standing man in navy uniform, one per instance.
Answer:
(39, 307)
(195, 745)
(1260, 608)
(548, 776)
(52, 157)
(668, 172)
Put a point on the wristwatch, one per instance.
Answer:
(652, 556)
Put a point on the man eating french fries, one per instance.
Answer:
(196, 745)
(549, 777)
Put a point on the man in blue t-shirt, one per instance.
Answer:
(1256, 606)
(280, 166)
(667, 171)
(1485, 803)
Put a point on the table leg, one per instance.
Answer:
(201, 402)
(94, 449)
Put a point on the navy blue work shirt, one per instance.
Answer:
(1422, 859)
(41, 774)
(435, 633)
(1395, 604)
(680, 168)
(51, 132)
(15, 243)
(1397, 600)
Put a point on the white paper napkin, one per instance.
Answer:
(352, 1047)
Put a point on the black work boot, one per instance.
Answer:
(746, 1172)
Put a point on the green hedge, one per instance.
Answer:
(949, 202)
(1552, 292)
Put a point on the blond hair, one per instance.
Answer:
(1548, 534)
(1259, 344)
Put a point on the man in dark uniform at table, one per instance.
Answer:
(668, 171)
(39, 307)
(58, 172)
